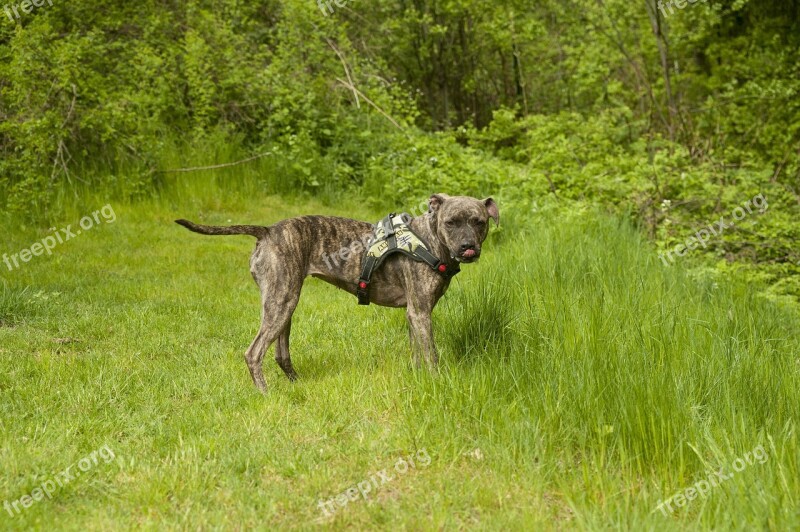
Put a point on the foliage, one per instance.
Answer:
(673, 116)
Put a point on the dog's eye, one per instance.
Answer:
(478, 222)
(450, 223)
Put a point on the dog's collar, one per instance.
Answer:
(394, 235)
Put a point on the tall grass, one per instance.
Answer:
(620, 360)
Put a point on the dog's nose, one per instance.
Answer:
(466, 245)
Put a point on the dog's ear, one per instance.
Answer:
(435, 201)
(494, 212)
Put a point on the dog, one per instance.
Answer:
(454, 229)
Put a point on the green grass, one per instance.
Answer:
(581, 382)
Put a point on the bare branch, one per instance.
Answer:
(216, 166)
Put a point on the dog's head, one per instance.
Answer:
(462, 223)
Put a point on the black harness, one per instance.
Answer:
(393, 235)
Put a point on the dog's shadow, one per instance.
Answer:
(470, 324)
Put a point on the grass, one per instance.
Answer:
(582, 383)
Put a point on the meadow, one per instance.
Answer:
(625, 355)
(582, 384)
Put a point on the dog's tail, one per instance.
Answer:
(252, 230)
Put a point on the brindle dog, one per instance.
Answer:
(286, 253)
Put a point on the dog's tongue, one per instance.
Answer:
(469, 253)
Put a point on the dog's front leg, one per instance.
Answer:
(421, 334)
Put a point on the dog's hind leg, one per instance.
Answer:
(279, 301)
(254, 355)
(282, 353)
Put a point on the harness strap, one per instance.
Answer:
(382, 245)
(362, 292)
(389, 232)
(436, 264)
